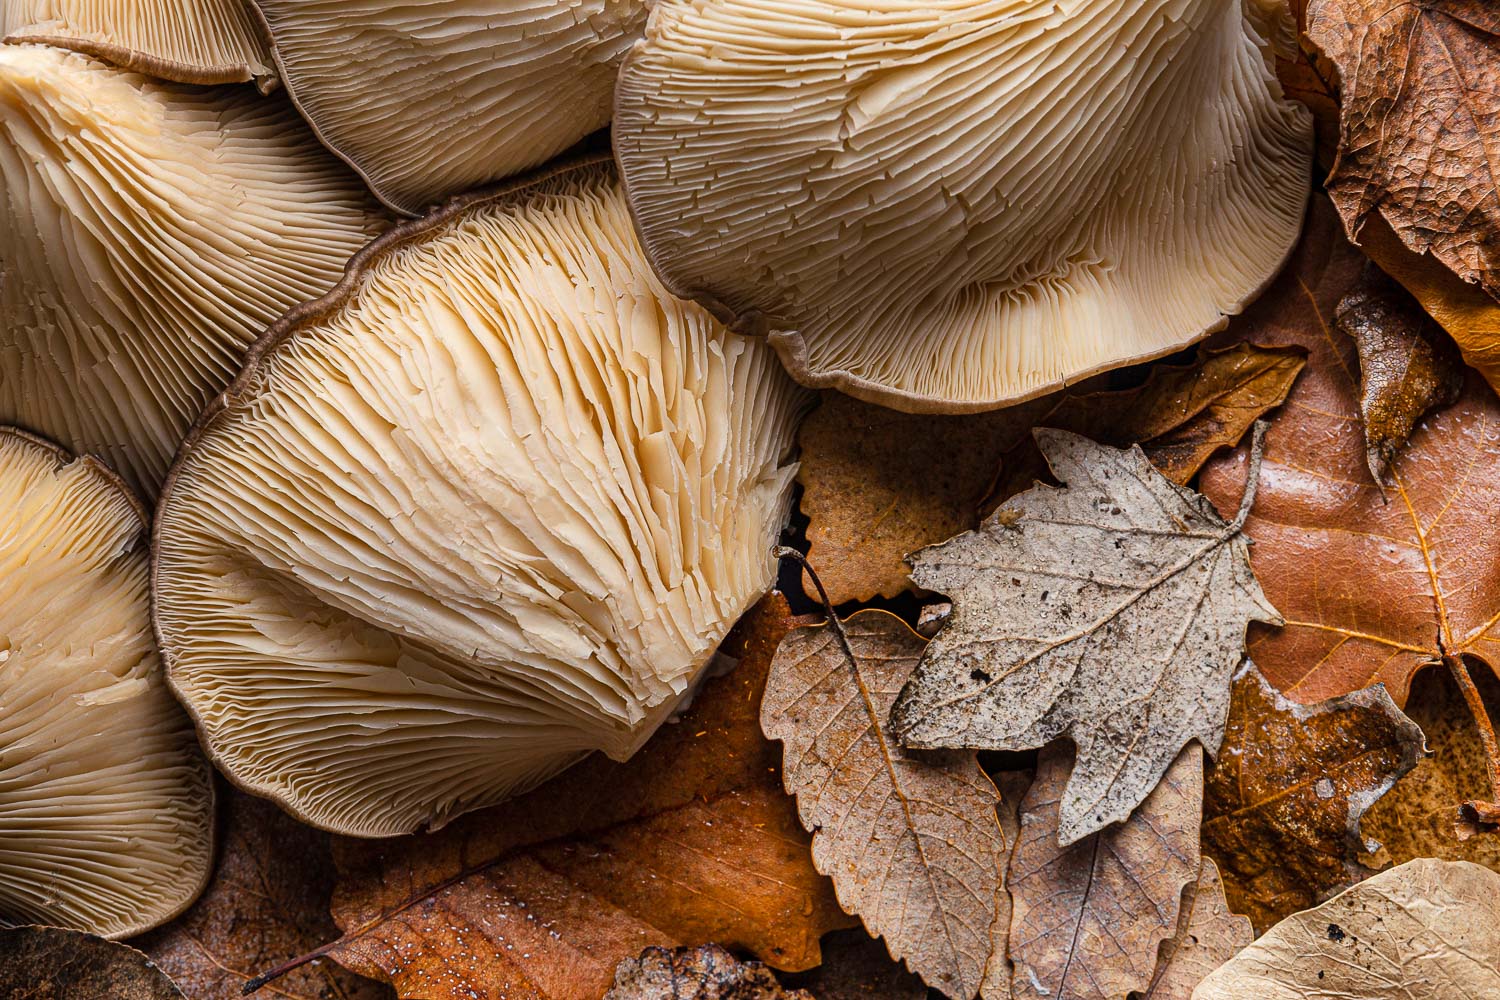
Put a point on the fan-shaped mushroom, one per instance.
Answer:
(151, 231)
(487, 507)
(949, 205)
(187, 41)
(106, 805)
(429, 100)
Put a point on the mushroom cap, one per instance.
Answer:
(429, 100)
(951, 205)
(150, 232)
(186, 41)
(106, 803)
(489, 506)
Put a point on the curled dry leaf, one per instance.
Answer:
(1283, 804)
(1374, 586)
(911, 840)
(1090, 918)
(691, 840)
(1428, 930)
(707, 972)
(1407, 365)
(49, 963)
(879, 484)
(268, 899)
(1419, 144)
(1208, 935)
(1419, 816)
(1305, 74)
(1111, 610)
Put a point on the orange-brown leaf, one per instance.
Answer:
(1090, 918)
(1282, 806)
(1373, 586)
(690, 841)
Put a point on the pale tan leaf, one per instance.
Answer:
(912, 841)
(1428, 930)
(1089, 919)
(1111, 610)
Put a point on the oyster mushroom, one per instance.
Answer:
(430, 100)
(186, 41)
(954, 205)
(150, 232)
(487, 507)
(106, 804)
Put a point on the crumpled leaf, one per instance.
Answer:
(1428, 930)
(1090, 918)
(878, 484)
(49, 963)
(1418, 817)
(1208, 935)
(691, 840)
(912, 841)
(856, 966)
(1406, 364)
(267, 901)
(707, 972)
(1419, 138)
(1283, 804)
(1468, 315)
(1305, 74)
(1111, 610)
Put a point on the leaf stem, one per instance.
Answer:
(1252, 483)
(1474, 810)
(787, 552)
(252, 985)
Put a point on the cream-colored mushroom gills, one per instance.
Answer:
(429, 100)
(187, 41)
(954, 204)
(150, 233)
(106, 804)
(492, 509)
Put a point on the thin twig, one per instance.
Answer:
(1257, 455)
(1484, 812)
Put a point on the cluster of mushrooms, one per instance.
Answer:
(397, 521)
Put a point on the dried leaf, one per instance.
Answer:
(707, 972)
(912, 841)
(857, 967)
(691, 840)
(267, 900)
(1417, 817)
(1406, 365)
(1372, 590)
(1428, 930)
(1090, 918)
(1113, 612)
(1306, 75)
(1420, 132)
(49, 963)
(1208, 935)
(1468, 315)
(878, 484)
(1283, 804)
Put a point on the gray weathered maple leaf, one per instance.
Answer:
(1427, 930)
(1111, 610)
(912, 841)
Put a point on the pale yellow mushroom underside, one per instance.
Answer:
(149, 233)
(429, 100)
(493, 513)
(955, 204)
(106, 805)
(187, 41)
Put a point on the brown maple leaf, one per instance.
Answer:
(1282, 805)
(1373, 584)
(268, 899)
(878, 484)
(691, 840)
(1419, 138)
(1089, 919)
